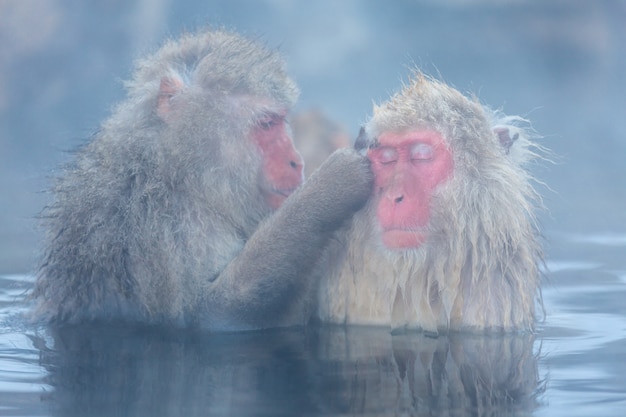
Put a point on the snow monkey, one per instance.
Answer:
(448, 239)
(175, 213)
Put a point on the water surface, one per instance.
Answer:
(573, 366)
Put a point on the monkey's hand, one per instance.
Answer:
(268, 279)
(338, 188)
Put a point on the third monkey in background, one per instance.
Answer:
(448, 239)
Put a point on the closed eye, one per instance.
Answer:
(422, 152)
(269, 121)
(267, 124)
(386, 155)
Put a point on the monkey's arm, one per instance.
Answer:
(267, 283)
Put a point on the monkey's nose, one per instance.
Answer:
(398, 199)
(297, 164)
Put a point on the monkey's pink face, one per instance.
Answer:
(282, 170)
(408, 167)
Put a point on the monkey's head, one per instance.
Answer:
(218, 101)
(440, 169)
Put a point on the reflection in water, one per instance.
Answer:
(408, 373)
(101, 371)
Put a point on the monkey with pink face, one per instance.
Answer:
(448, 239)
(187, 208)
(175, 213)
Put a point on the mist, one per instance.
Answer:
(558, 63)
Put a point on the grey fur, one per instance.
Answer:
(164, 223)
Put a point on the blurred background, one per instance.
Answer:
(559, 63)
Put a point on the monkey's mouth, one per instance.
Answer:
(276, 196)
(285, 192)
(403, 238)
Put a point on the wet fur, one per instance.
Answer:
(479, 269)
(164, 223)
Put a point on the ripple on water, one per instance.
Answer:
(22, 378)
(584, 336)
(582, 341)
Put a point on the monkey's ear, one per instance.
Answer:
(361, 141)
(505, 138)
(169, 87)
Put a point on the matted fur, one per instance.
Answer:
(149, 213)
(479, 269)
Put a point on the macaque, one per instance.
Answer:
(316, 137)
(448, 239)
(181, 210)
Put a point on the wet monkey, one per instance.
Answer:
(183, 209)
(448, 239)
